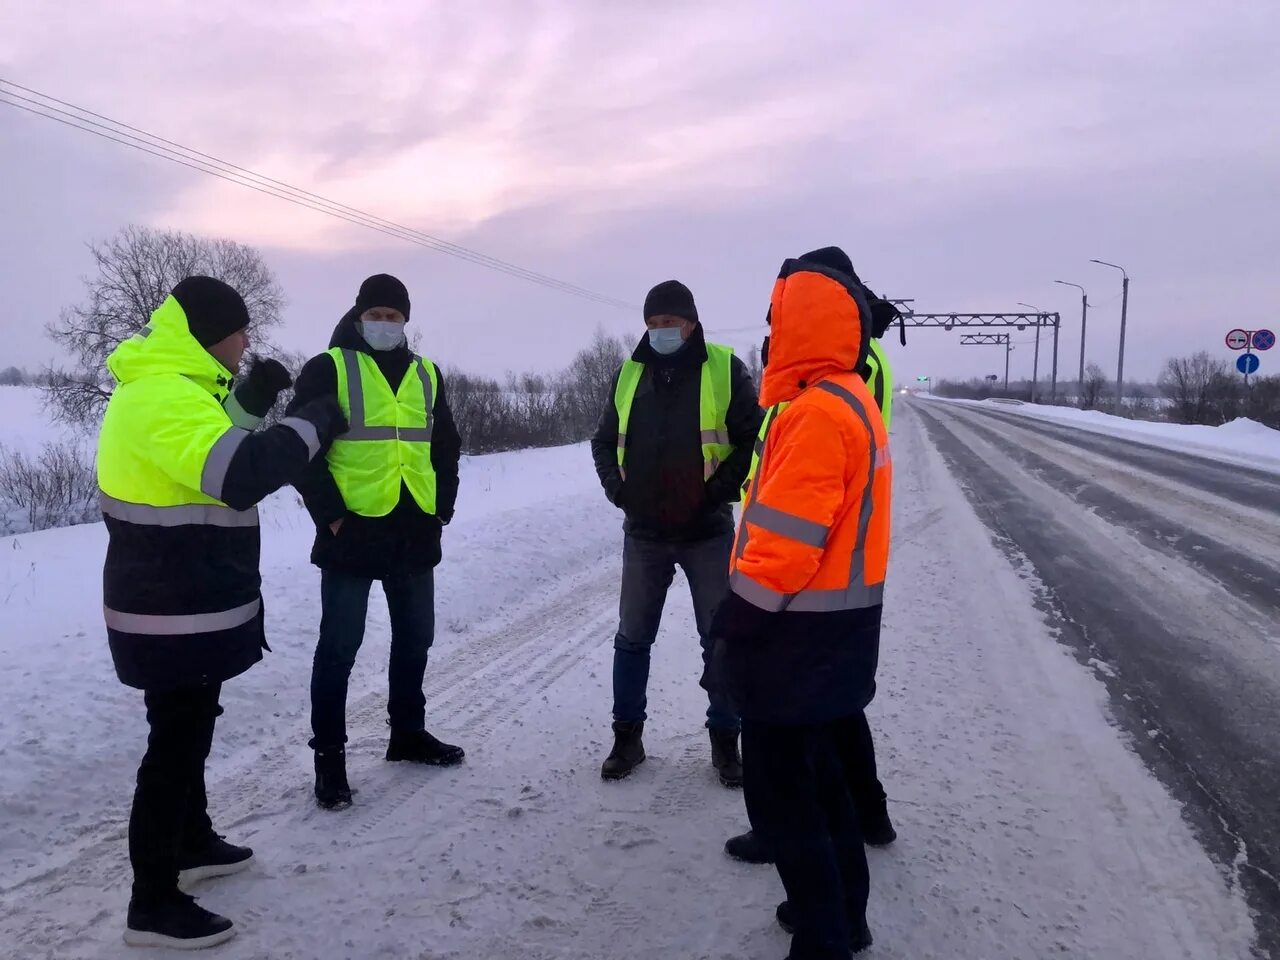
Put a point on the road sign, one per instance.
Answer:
(1263, 339)
(1248, 364)
(922, 379)
(1238, 339)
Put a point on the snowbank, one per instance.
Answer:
(1243, 442)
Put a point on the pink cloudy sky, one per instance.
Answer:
(966, 155)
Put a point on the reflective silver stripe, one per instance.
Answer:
(882, 458)
(429, 402)
(216, 464)
(768, 600)
(808, 532)
(720, 437)
(187, 514)
(144, 332)
(355, 392)
(240, 417)
(857, 596)
(167, 625)
(868, 501)
(307, 431)
(359, 430)
(709, 468)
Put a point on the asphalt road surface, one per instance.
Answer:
(1162, 570)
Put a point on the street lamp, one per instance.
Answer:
(1084, 320)
(1035, 365)
(1124, 314)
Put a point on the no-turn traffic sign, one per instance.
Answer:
(1238, 339)
(1263, 339)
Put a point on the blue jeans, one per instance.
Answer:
(345, 603)
(648, 569)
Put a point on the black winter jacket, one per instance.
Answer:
(665, 496)
(405, 542)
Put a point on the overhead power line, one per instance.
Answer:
(87, 121)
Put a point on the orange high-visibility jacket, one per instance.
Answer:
(814, 534)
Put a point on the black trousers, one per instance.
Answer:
(858, 755)
(169, 805)
(798, 801)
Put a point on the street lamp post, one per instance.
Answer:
(1084, 322)
(1035, 364)
(1124, 316)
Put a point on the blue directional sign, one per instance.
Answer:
(1248, 363)
(1263, 339)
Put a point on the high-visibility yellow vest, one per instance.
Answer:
(713, 406)
(388, 442)
(881, 380)
(880, 383)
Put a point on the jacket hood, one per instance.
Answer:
(166, 346)
(819, 327)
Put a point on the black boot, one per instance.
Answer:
(859, 933)
(209, 858)
(628, 750)
(177, 922)
(725, 757)
(332, 790)
(877, 829)
(418, 746)
(748, 848)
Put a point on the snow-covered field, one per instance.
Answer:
(1028, 827)
(1242, 441)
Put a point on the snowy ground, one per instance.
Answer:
(1242, 441)
(1029, 827)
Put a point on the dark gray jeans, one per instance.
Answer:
(648, 569)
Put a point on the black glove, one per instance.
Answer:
(326, 416)
(614, 489)
(262, 385)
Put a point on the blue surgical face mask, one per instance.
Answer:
(382, 334)
(666, 340)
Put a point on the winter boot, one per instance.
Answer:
(877, 829)
(418, 746)
(859, 933)
(748, 848)
(725, 757)
(213, 857)
(176, 922)
(628, 750)
(332, 789)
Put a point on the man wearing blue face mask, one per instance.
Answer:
(379, 501)
(672, 450)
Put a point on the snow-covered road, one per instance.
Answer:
(1164, 568)
(1029, 825)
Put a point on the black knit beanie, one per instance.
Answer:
(670, 298)
(383, 290)
(214, 310)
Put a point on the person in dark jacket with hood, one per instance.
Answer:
(180, 471)
(672, 450)
(379, 501)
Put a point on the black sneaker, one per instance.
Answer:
(332, 790)
(859, 933)
(418, 746)
(748, 848)
(628, 750)
(213, 858)
(725, 757)
(177, 922)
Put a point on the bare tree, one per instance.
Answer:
(136, 270)
(13, 377)
(1195, 384)
(754, 366)
(1093, 387)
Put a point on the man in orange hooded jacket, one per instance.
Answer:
(799, 632)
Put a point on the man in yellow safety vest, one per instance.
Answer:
(672, 450)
